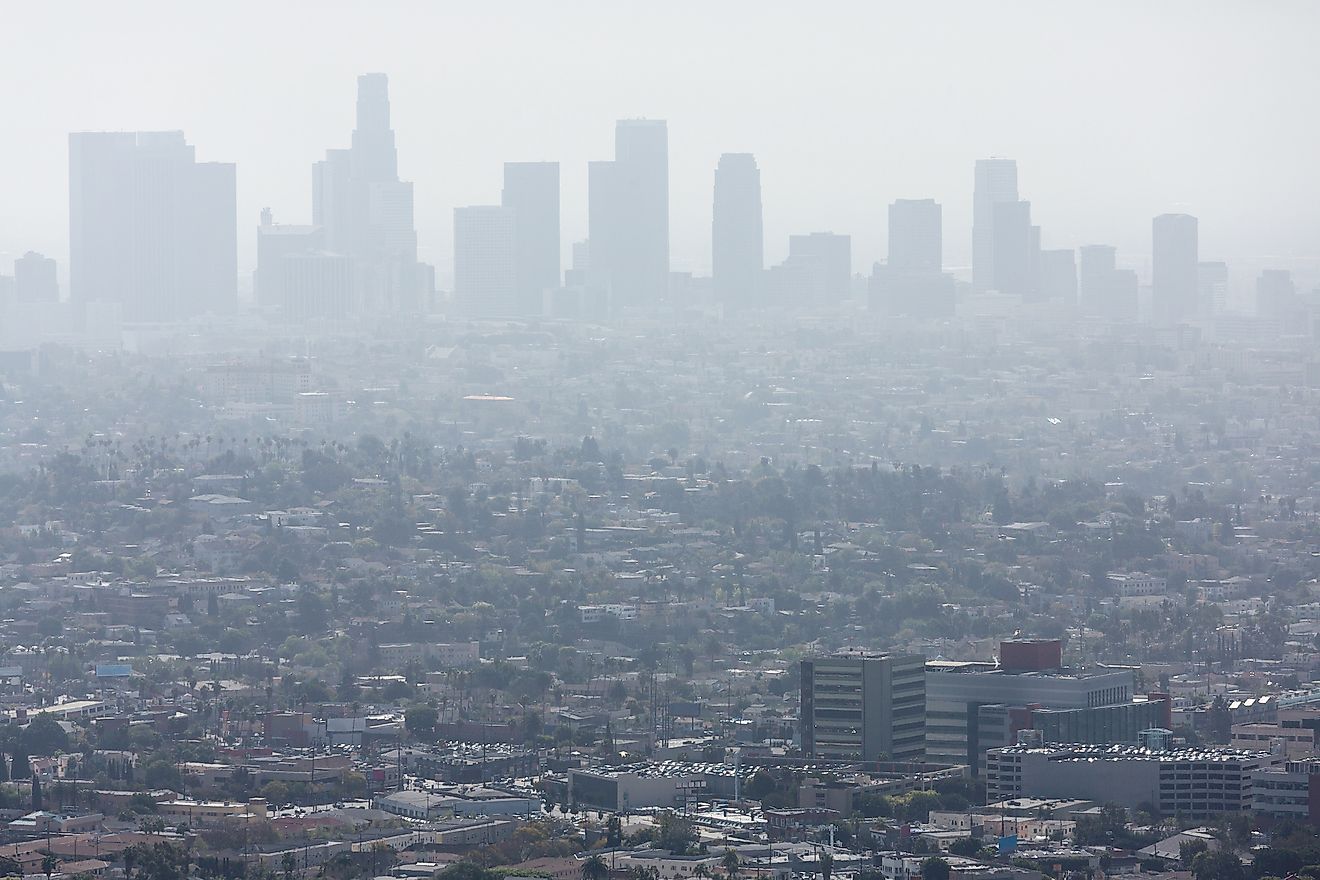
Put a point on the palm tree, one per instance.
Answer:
(48, 865)
(730, 863)
(595, 868)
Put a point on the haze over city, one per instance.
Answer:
(672, 441)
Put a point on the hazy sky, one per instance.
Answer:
(1115, 110)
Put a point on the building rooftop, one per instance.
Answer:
(1111, 752)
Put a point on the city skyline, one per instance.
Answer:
(1165, 172)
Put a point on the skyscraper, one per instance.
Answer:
(485, 261)
(1174, 260)
(864, 707)
(629, 214)
(1276, 298)
(531, 191)
(150, 228)
(1012, 251)
(1212, 287)
(366, 211)
(996, 181)
(916, 235)
(737, 240)
(35, 279)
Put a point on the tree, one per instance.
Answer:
(1190, 849)
(934, 868)
(44, 736)
(826, 863)
(160, 861)
(967, 847)
(421, 721)
(287, 864)
(675, 833)
(1217, 865)
(467, 871)
(48, 865)
(595, 868)
(730, 863)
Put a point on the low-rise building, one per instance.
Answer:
(1192, 783)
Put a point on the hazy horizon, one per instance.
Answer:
(1115, 112)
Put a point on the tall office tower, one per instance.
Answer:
(531, 191)
(275, 241)
(485, 261)
(996, 181)
(367, 212)
(1012, 251)
(1058, 276)
(315, 285)
(737, 239)
(1276, 295)
(864, 707)
(1173, 268)
(332, 203)
(151, 228)
(629, 214)
(1212, 287)
(1095, 264)
(35, 279)
(916, 235)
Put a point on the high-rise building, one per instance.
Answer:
(151, 228)
(1058, 276)
(916, 235)
(367, 212)
(737, 240)
(1174, 260)
(1212, 287)
(864, 707)
(485, 261)
(35, 279)
(275, 241)
(996, 181)
(531, 191)
(1276, 295)
(1012, 237)
(629, 214)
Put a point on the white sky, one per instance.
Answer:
(1115, 110)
